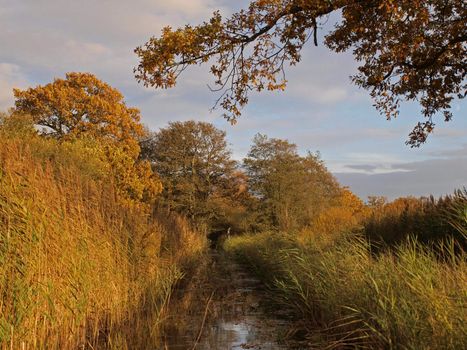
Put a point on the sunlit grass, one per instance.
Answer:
(407, 298)
(79, 269)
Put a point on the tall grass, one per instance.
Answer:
(78, 268)
(345, 296)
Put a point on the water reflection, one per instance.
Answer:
(236, 317)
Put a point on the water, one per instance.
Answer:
(236, 317)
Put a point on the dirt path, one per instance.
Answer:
(236, 317)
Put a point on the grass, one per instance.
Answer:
(346, 297)
(78, 268)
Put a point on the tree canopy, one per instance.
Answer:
(292, 189)
(82, 104)
(83, 107)
(409, 50)
(193, 162)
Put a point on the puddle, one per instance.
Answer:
(236, 317)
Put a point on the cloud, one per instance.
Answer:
(326, 95)
(437, 176)
(51, 37)
(64, 35)
(367, 163)
(85, 52)
(459, 152)
(11, 77)
(364, 167)
(326, 81)
(336, 137)
(192, 8)
(109, 20)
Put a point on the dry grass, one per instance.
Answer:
(79, 269)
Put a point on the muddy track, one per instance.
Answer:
(231, 314)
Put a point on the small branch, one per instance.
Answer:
(204, 320)
(315, 32)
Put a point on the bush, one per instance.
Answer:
(426, 218)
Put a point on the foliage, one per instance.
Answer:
(16, 124)
(81, 107)
(409, 50)
(134, 178)
(82, 104)
(194, 164)
(345, 297)
(345, 214)
(292, 190)
(234, 208)
(67, 244)
(457, 213)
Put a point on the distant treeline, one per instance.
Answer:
(428, 219)
(275, 188)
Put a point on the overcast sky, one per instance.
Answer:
(320, 110)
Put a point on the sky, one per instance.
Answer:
(321, 110)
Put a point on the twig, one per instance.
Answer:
(204, 320)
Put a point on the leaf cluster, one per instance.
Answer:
(409, 50)
(83, 109)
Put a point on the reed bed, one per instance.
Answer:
(79, 268)
(412, 296)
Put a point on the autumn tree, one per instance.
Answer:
(409, 50)
(233, 207)
(194, 164)
(346, 212)
(83, 107)
(292, 189)
(81, 104)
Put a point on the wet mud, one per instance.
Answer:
(234, 312)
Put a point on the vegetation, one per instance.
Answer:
(425, 218)
(199, 178)
(344, 296)
(291, 190)
(82, 215)
(409, 50)
(81, 104)
(346, 293)
(70, 238)
(377, 275)
(94, 205)
(197, 173)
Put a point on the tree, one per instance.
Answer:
(346, 213)
(408, 49)
(83, 107)
(81, 104)
(292, 189)
(193, 162)
(233, 208)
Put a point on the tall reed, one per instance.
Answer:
(78, 268)
(345, 296)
